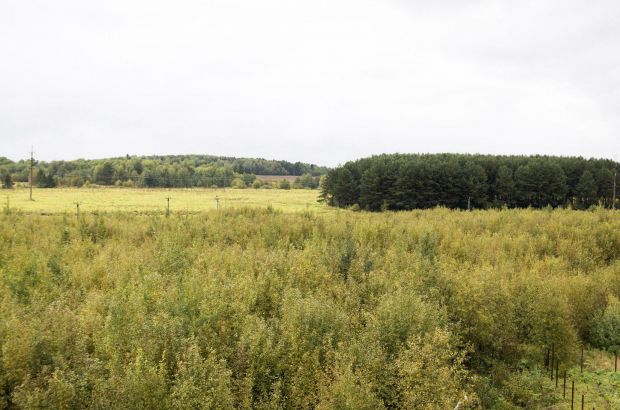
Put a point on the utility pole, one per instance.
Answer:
(31, 169)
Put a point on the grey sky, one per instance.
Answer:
(322, 81)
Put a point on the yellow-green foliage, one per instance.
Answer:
(255, 308)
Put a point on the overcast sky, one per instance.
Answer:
(322, 81)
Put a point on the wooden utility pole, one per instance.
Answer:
(31, 169)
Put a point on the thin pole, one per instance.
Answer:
(77, 207)
(551, 367)
(616, 362)
(572, 396)
(168, 208)
(564, 395)
(581, 359)
(583, 401)
(217, 202)
(31, 169)
(552, 359)
(557, 369)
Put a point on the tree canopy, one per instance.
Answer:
(160, 171)
(411, 181)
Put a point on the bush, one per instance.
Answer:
(238, 183)
(606, 328)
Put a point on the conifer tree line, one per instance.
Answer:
(158, 171)
(461, 181)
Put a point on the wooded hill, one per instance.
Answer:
(157, 171)
(410, 181)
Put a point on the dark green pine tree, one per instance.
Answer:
(504, 185)
(586, 190)
(104, 173)
(41, 178)
(475, 187)
(7, 181)
(344, 188)
(526, 186)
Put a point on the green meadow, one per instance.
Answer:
(106, 199)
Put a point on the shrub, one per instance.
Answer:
(606, 328)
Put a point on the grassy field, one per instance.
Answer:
(61, 200)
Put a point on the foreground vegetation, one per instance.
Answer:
(107, 199)
(254, 308)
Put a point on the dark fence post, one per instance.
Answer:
(572, 396)
(583, 401)
(564, 385)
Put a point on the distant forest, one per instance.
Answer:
(412, 181)
(160, 171)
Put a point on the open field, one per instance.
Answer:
(58, 200)
(257, 308)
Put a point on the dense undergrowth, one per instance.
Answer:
(254, 308)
